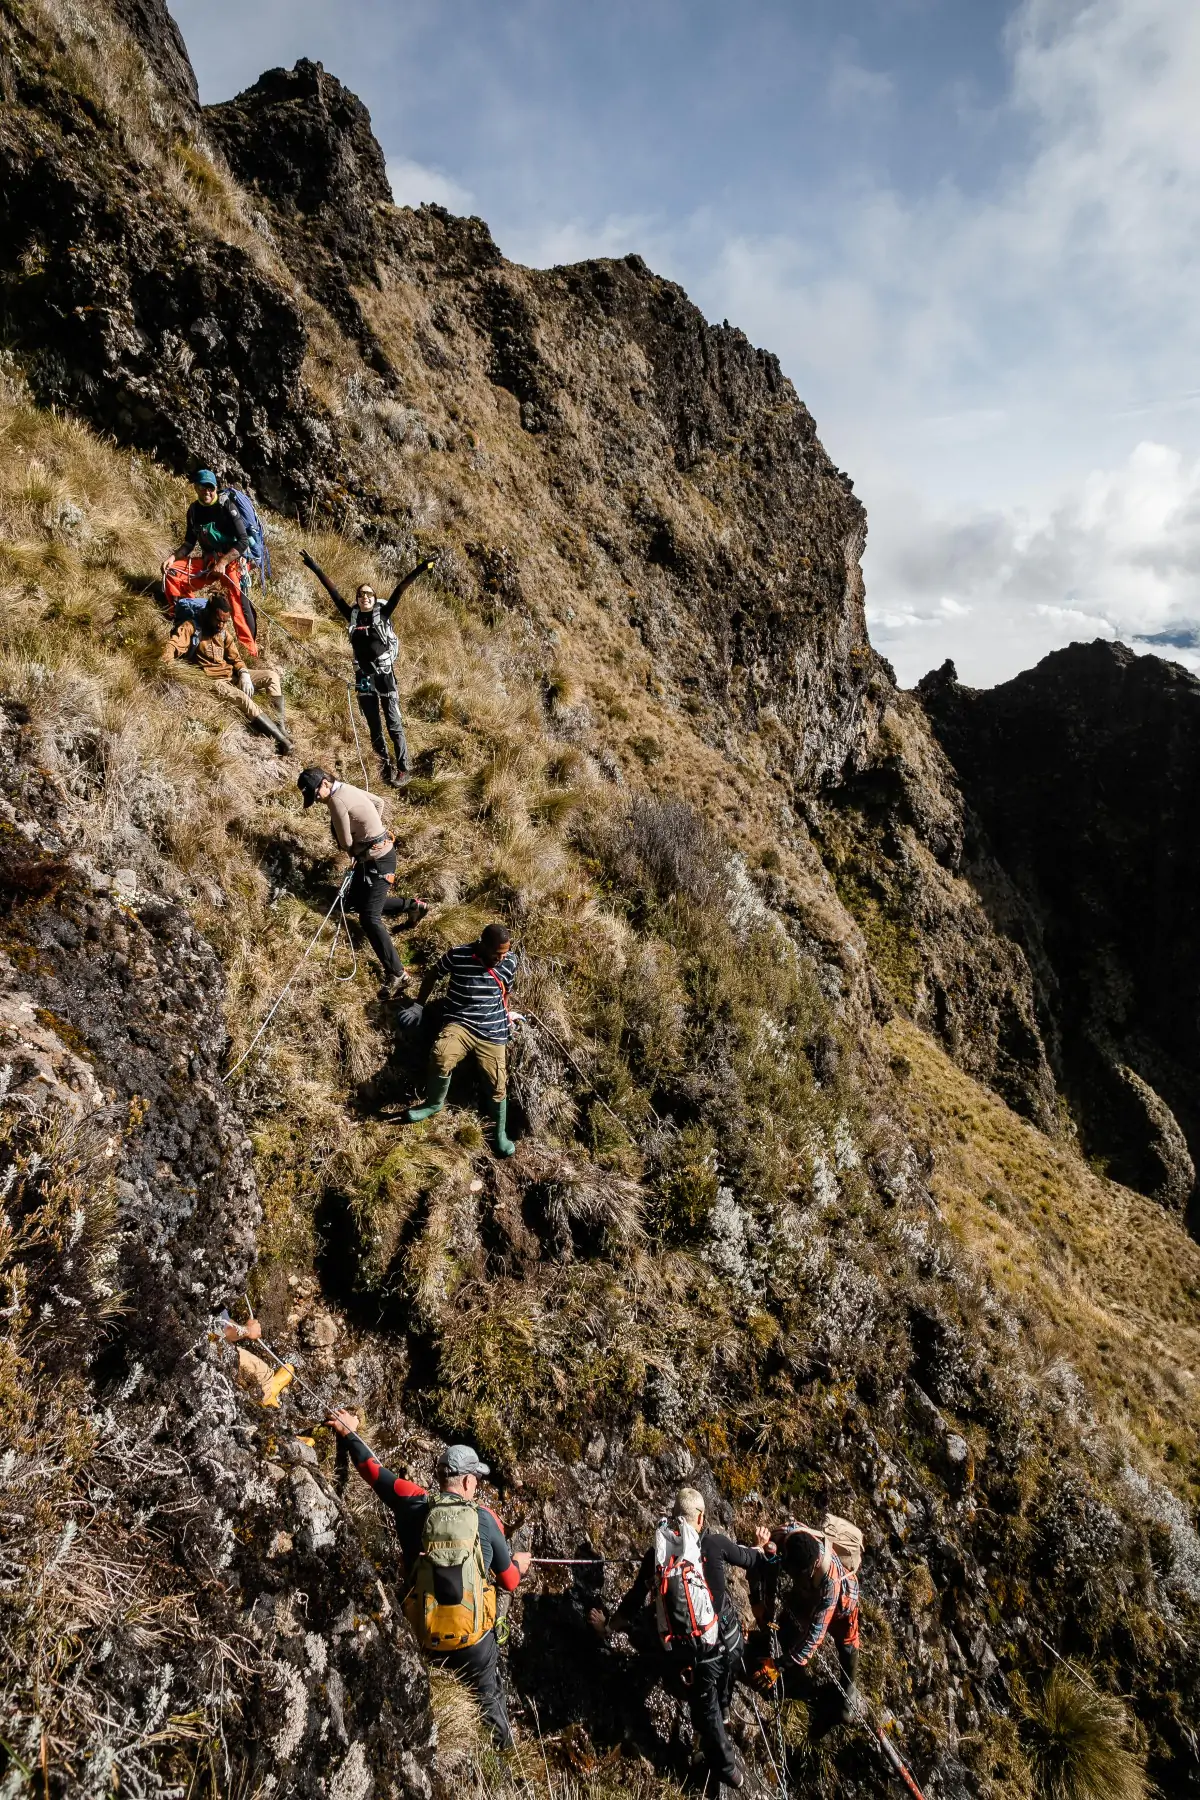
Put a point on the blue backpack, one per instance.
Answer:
(246, 511)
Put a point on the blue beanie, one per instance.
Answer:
(204, 478)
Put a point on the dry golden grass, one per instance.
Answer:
(1098, 1273)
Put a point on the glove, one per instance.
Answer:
(766, 1676)
(411, 1017)
(246, 684)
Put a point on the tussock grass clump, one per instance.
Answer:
(1077, 1744)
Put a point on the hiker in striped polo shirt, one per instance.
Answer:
(475, 1023)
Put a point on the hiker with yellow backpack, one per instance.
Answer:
(455, 1556)
(822, 1599)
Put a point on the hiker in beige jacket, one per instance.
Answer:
(358, 830)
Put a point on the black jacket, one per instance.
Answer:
(716, 1553)
(215, 528)
(368, 631)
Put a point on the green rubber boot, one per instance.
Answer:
(498, 1113)
(435, 1098)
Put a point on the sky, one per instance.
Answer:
(969, 229)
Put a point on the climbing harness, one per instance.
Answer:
(338, 900)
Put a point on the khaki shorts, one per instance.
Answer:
(454, 1041)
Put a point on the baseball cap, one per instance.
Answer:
(309, 782)
(204, 478)
(460, 1459)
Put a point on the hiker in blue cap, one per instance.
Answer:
(212, 556)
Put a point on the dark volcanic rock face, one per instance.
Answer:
(282, 1640)
(301, 140)
(1084, 773)
(124, 305)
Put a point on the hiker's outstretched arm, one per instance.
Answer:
(405, 581)
(387, 1484)
(310, 562)
(431, 978)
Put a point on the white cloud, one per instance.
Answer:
(413, 184)
(1118, 556)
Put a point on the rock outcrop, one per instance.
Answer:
(131, 1218)
(1082, 775)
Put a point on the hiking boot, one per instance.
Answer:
(498, 1114)
(435, 1099)
(392, 987)
(848, 1663)
(402, 778)
(387, 771)
(268, 728)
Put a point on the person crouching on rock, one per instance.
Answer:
(360, 833)
(455, 1556)
(218, 656)
(475, 1023)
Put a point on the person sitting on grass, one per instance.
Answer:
(218, 656)
(475, 1023)
(213, 551)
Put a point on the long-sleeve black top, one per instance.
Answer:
(716, 1553)
(368, 630)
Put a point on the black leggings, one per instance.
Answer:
(369, 894)
(385, 701)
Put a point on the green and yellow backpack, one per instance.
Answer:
(450, 1603)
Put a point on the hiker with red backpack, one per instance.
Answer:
(475, 1023)
(682, 1576)
(455, 1556)
(822, 1599)
(223, 535)
(375, 647)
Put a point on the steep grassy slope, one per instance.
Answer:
(748, 1236)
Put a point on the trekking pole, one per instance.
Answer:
(863, 1718)
(776, 1647)
(337, 901)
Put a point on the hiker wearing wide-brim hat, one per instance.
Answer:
(360, 833)
(455, 1557)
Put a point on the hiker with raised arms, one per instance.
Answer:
(475, 1023)
(455, 1557)
(218, 656)
(375, 647)
(682, 1576)
(360, 833)
(822, 1599)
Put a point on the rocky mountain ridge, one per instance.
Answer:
(651, 731)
